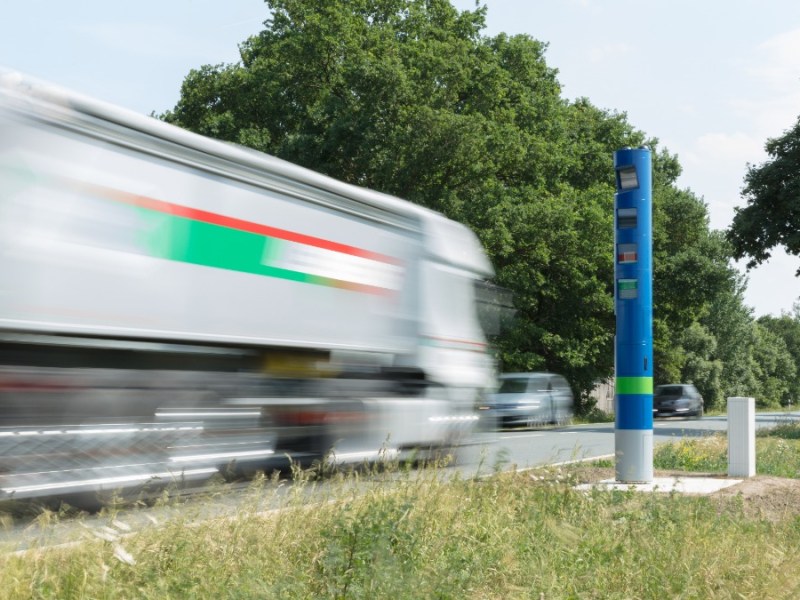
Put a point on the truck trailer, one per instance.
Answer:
(172, 304)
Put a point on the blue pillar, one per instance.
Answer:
(633, 300)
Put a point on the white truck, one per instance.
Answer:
(201, 303)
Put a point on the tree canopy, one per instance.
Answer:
(409, 98)
(772, 215)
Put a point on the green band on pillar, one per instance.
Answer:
(634, 385)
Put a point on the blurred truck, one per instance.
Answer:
(181, 303)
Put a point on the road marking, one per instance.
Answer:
(581, 460)
(517, 437)
(563, 463)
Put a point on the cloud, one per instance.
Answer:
(778, 62)
(773, 100)
(773, 287)
(150, 40)
(772, 113)
(720, 154)
(718, 160)
(607, 52)
(737, 147)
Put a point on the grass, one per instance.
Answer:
(595, 415)
(777, 453)
(424, 534)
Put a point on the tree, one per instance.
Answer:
(408, 98)
(772, 368)
(692, 281)
(731, 323)
(772, 215)
(787, 327)
(701, 365)
(558, 259)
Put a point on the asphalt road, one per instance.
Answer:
(530, 448)
(486, 453)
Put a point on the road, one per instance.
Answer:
(530, 448)
(487, 452)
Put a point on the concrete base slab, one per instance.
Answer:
(683, 485)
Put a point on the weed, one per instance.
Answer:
(693, 454)
(788, 430)
(777, 453)
(392, 532)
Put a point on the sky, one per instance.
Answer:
(711, 79)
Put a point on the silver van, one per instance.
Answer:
(529, 400)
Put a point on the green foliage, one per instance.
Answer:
(788, 430)
(777, 453)
(595, 415)
(514, 535)
(692, 278)
(557, 258)
(787, 328)
(703, 332)
(365, 538)
(772, 219)
(701, 366)
(772, 215)
(731, 323)
(771, 366)
(409, 98)
(708, 454)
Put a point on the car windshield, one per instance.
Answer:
(513, 386)
(669, 390)
(519, 385)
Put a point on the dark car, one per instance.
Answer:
(529, 399)
(677, 400)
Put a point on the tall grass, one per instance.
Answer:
(777, 452)
(402, 534)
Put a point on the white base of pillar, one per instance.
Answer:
(634, 455)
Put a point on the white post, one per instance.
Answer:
(741, 437)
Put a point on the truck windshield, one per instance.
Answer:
(495, 307)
